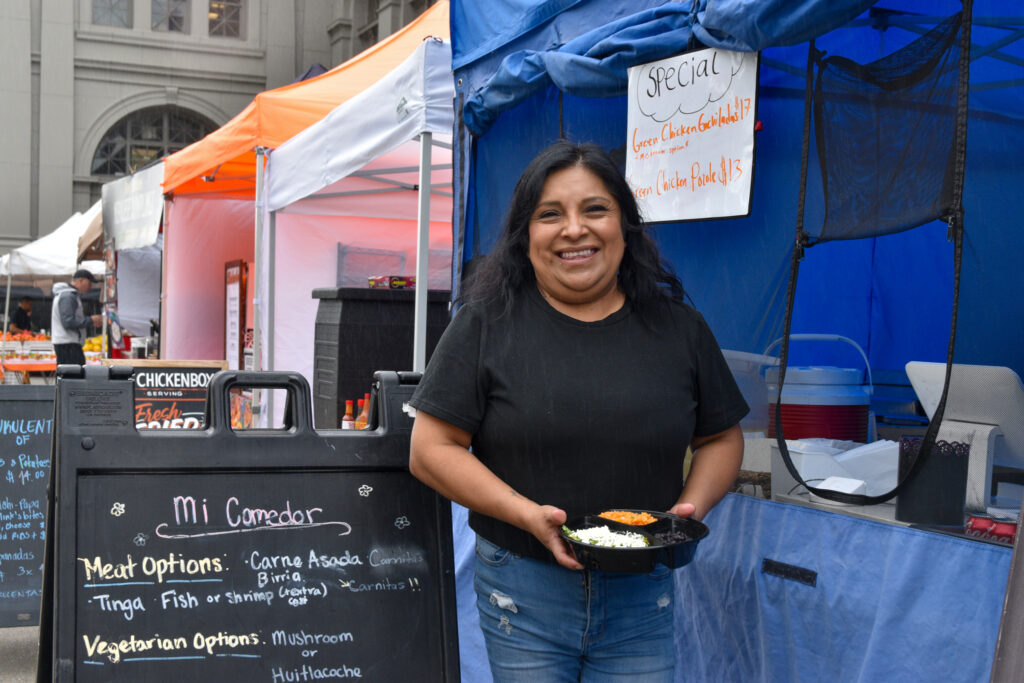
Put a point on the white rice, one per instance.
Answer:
(603, 536)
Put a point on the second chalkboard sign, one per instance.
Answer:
(276, 555)
(26, 426)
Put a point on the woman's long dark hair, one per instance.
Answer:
(644, 276)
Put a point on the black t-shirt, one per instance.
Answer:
(22, 318)
(586, 416)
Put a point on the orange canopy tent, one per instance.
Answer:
(214, 183)
(224, 162)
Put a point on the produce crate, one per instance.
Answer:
(38, 350)
(11, 349)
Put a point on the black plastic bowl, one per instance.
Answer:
(673, 541)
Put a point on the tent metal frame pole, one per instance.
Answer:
(7, 311)
(271, 279)
(362, 193)
(257, 304)
(419, 338)
(393, 170)
(162, 347)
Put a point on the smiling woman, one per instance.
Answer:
(576, 245)
(579, 377)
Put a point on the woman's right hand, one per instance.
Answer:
(546, 526)
(439, 457)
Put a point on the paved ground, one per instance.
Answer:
(18, 649)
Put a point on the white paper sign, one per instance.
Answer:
(690, 146)
(133, 207)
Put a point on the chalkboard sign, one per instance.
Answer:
(26, 429)
(256, 555)
(170, 394)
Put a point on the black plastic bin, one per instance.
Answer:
(359, 331)
(936, 494)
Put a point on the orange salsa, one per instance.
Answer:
(627, 517)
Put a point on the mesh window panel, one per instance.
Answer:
(891, 139)
(885, 135)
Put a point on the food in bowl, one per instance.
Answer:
(672, 536)
(605, 537)
(629, 517)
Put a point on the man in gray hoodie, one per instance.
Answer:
(68, 319)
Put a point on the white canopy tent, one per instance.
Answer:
(375, 172)
(49, 259)
(52, 257)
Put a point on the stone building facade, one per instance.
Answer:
(94, 89)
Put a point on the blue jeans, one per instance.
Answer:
(542, 622)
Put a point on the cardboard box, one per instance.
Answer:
(392, 282)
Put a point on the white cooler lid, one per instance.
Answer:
(815, 374)
(819, 385)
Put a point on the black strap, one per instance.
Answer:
(794, 269)
(956, 230)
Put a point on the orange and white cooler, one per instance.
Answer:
(821, 401)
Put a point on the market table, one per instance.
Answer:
(28, 366)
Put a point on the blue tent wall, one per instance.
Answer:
(991, 329)
(892, 295)
(735, 270)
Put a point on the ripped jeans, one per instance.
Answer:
(542, 622)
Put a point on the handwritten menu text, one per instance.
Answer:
(292, 577)
(690, 130)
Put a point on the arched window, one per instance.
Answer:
(145, 136)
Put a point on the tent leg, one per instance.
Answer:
(257, 364)
(419, 338)
(258, 275)
(7, 314)
(270, 289)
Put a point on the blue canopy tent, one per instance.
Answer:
(514, 61)
(529, 72)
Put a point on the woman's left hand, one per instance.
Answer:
(683, 509)
(716, 461)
